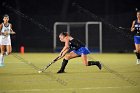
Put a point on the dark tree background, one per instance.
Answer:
(33, 21)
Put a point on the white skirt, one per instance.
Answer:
(5, 40)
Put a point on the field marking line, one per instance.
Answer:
(87, 88)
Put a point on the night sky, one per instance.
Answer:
(33, 19)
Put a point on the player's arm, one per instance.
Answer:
(132, 27)
(11, 30)
(0, 28)
(65, 48)
(2, 33)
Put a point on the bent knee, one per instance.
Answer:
(67, 57)
(138, 51)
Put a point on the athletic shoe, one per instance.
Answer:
(99, 65)
(61, 71)
(138, 61)
(2, 65)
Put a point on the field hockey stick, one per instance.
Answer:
(56, 59)
(46, 67)
(10, 33)
(124, 28)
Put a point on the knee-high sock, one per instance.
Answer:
(1, 59)
(97, 63)
(93, 63)
(138, 55)
(64, 63)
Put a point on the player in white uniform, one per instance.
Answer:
(6, 30)
(0, 47)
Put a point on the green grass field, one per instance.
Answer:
(120, 74)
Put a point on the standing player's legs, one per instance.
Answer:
(2, 55)
(137, 46)
(1, 64)
(65, 61)
(8, 49)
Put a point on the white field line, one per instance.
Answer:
(13, 62)
(65, 89)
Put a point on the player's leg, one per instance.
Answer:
(65, 61)
(84, 59)
(2, 55)
(0, 58)
(137, 46)
(90, 63)
(8, 49)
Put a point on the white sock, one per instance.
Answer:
(6, 53)
(138, 61)
(1, 59)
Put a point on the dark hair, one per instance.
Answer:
(138, 11)
(6, 16)
(64, 33)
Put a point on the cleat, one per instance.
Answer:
(138, 61)
(99, 65)
(2, 65)
(60, 71)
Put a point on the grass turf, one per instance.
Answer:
(120, 74)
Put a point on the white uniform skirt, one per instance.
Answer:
(5, 40)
